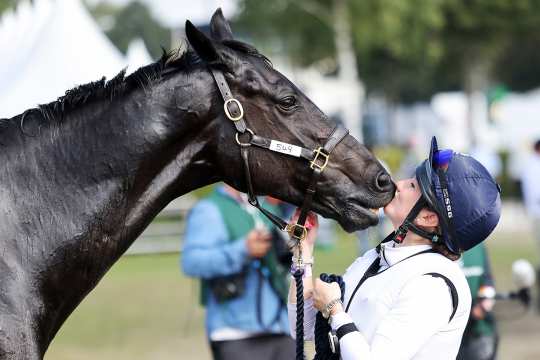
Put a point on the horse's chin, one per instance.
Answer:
(357, 218)
(352, 217)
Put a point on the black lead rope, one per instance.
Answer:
(323, 351)
(299, 273)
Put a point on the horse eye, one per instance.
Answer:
(288, 101)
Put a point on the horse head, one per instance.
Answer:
(352, 183)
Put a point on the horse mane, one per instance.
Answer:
(181, 59)
(170, 61)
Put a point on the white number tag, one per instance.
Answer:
(285, 148)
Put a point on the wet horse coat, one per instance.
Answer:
(82, 177)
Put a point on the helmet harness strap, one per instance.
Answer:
(408, 225)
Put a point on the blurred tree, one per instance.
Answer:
(299, 23)
(6, 4)
(392, 43)
(123, 24)
(476, 35)
(518, 66)
(409, 49)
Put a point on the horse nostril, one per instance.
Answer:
(383, 182)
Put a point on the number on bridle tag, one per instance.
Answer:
(285, 148)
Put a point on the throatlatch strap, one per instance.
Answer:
(252, 199)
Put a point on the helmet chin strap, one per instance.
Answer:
(408, 225)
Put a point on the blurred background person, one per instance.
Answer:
(530, 184)
(228, 245)
(480, 339)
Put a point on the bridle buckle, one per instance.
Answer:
(319, 152)
(228, 113)
(292, 229)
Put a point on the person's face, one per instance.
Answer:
(407, 194)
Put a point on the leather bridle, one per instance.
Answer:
(318, 158)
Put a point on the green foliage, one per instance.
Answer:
(130, 22)
(6, 4)
(510, 187)
(305, 36)
(391, 155)
(408, 49)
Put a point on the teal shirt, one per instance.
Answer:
(477, 270)
(214, 246)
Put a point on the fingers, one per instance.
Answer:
(259, 243)
(312, 220)
(324, 292)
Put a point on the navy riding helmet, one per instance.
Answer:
(462, 193)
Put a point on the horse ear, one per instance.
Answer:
(219, 27)
(203, 46)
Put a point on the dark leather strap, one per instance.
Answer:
(226, 94)
(252, 199)
(318, 158)
(408, 224)
(264, 143)
(453, 292)
(345, 329)
(335, 138)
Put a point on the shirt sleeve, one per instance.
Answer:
(422, 308)
(309, 319)
(207, 250)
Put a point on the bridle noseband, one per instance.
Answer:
(318, 158)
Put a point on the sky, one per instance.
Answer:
(174, 13)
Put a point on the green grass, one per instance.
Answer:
(144, 308)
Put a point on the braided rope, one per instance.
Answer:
(298, 274)
(322, 327)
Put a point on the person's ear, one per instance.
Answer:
(427, 218)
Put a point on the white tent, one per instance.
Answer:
(517, 116)
(174, 13)
(137, 55)
(58, 47)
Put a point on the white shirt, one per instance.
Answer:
(531, 185)
(400, 313)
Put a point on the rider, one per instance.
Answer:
(408, 299)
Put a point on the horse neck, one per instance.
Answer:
(103, 175)
(135, 154)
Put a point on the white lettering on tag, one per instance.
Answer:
(285, 148)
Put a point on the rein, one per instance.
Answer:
(318, 160)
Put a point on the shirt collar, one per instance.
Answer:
(391, 253)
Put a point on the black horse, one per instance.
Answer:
(83, 176)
